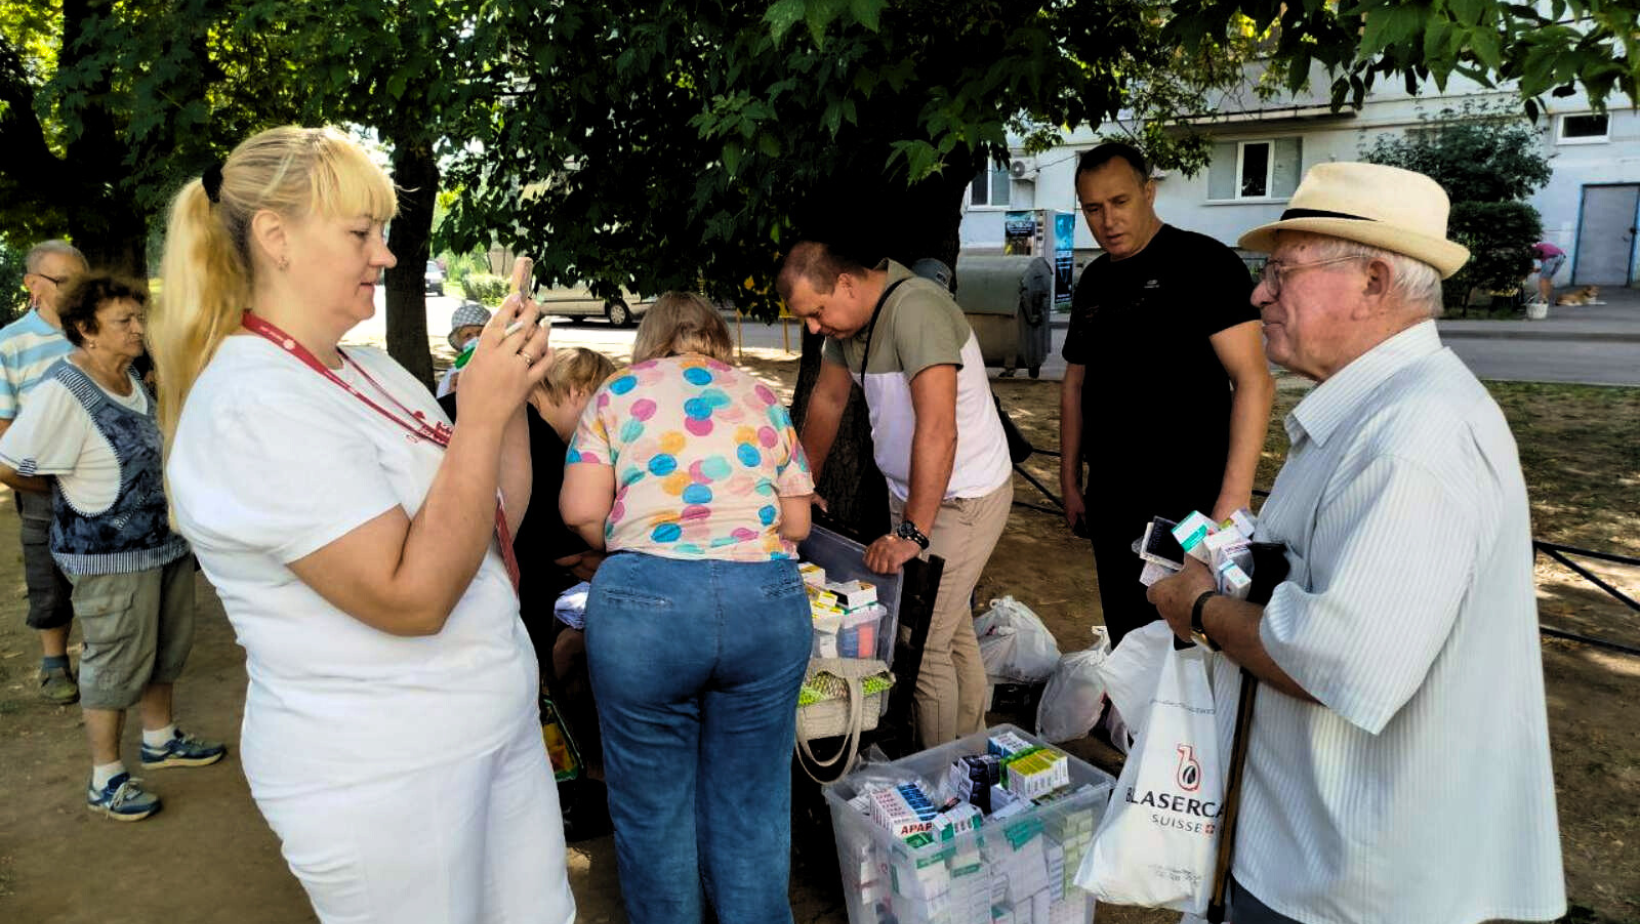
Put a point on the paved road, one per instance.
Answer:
(1597, 346)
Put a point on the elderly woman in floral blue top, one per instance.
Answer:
(88, 435)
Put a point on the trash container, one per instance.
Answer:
(988, 289)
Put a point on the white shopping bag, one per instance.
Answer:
(1157, 842)
(1075, 695)
(1131, 671)
(1014, 644)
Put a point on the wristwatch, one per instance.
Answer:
(1196, 628)
(909, 530)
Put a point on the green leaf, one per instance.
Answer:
(820, 15)
(782, 16)
(867, 12)
(1485, 45)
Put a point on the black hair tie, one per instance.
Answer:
(212, 181)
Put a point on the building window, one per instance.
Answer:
(990, 188)
(1589, 128)
(1264, 169)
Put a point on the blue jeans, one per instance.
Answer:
(695, 666)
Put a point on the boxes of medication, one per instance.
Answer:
(813, 575)
(1191, 532)
(854, 595)
(970, 869)
(1037, 773)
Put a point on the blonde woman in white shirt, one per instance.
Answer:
(390, 734)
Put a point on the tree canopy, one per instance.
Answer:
(663, 145)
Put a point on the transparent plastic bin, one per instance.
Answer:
(857, 638)
(1019, 869)
(844, 560)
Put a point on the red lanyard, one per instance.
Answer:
(437, 433)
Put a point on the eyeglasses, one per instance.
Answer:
(55, 280)
(1273, 270)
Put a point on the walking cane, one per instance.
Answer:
(1269, 569)
(1232, 798)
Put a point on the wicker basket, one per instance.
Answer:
(835, 703)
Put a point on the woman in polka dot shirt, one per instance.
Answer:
(687, 470)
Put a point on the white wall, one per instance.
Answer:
(1616, 160)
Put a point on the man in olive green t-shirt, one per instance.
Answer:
(938, 442)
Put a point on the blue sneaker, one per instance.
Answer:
(122, 799)
(183, 750)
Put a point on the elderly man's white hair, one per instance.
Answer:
(40, 251)
(1416, 284)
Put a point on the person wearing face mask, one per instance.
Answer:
(90, 427)
(1161, 331)
(361, 547)
(466, 323)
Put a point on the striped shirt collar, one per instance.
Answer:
(1332, 402)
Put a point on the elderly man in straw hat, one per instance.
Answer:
(1398, 764)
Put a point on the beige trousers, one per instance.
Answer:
(950, 691)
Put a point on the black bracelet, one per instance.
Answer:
(1196, 626)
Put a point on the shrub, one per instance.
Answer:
(15, 299)
(1499, 236)
(485, 288)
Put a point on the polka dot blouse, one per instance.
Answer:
(702, 453)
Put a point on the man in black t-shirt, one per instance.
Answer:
(1167, 393)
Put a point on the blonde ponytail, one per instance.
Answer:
(208, 269)
(204, 291)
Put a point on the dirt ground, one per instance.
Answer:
(209, 856)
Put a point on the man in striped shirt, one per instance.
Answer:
(1398, 763)
(28, 347)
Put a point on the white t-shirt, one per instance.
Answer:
(272, 462)
(55, 436)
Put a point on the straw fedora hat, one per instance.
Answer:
(1397, 210)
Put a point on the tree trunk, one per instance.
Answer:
(855, 492)
(416, 172)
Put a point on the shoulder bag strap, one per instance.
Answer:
(871, 329)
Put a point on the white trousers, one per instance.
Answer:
(477, 840)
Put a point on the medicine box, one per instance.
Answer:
(1020, 868)
(857, 637)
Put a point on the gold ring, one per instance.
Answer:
(527, 357)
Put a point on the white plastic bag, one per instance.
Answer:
(1075, 695)
(1014, 644)
(1156, 845)
(1131, 671)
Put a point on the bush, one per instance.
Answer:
(485, 288)
(461, 265)
(15, 299)
(1476, 154)
(1499, 236)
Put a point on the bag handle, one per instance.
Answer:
(850, 748)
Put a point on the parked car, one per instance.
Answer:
(578, 303)
(435, 278)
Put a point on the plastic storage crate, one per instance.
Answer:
(1018, 870)
(844, 560)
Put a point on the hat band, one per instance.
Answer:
(1322, 213)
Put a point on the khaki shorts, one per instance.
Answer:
(138, 629)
